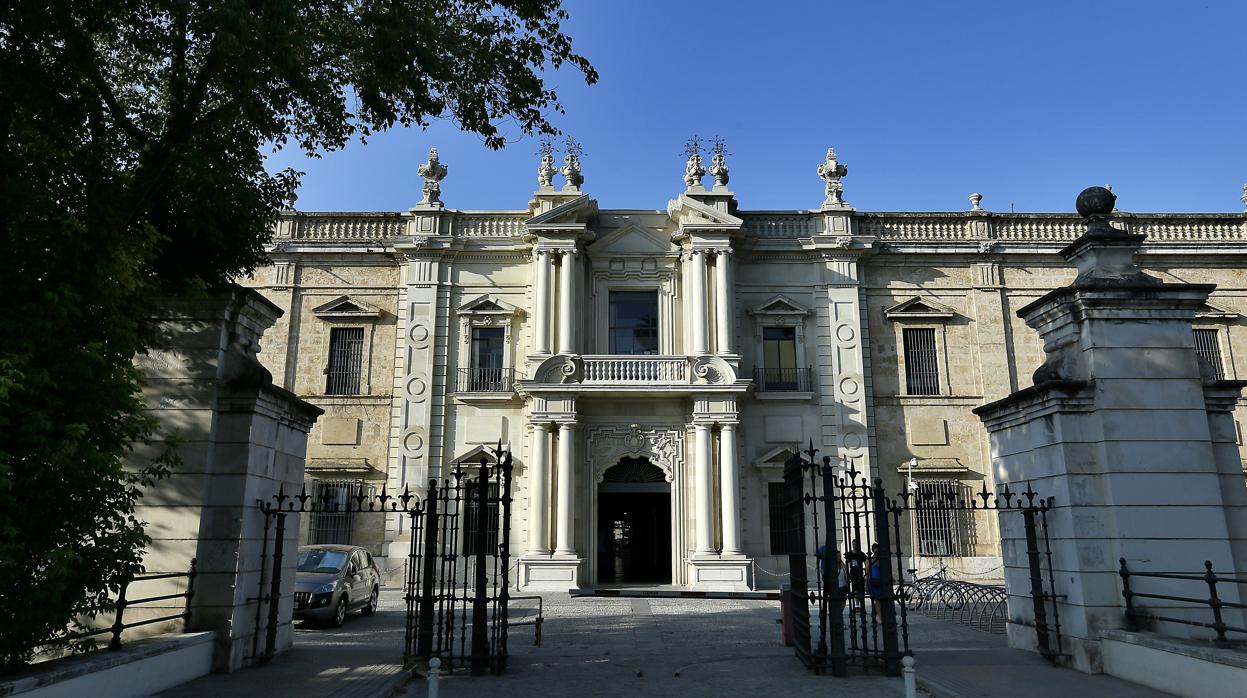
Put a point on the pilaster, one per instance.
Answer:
(844, 365)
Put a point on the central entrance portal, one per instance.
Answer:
(634, 525)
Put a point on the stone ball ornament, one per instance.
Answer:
(1096, 201)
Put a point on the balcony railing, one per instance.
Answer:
(636, 369)
(782, 380)
(486, 380)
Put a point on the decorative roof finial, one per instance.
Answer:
(975, 199)
(831, 171)
(572, 150)
(433, 172)
(693, 169)
(546, 170)
(718, 164)
(1243, 198)
(1096, 205)
(288, 205)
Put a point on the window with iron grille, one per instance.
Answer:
(1209, 349)
(942, 530)
(471, 512)
(779, 530)
(346, 353)
(922, 373)
(332, 522)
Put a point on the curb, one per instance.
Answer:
(937, 689)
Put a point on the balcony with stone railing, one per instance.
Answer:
(609, 373)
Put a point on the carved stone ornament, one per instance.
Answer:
(571, 165)
(831, 171)
(711, 370)
(844, 242)
(663, 446)
(433, 172)
(546, 170)
(1243, 198)
(693, 168)
(718, 164)
(560, 369)
(986, 246)
(976, 199)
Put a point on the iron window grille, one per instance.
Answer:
(346, 354)
(1209, 349)
(471, 512)
(332, 523)
(922, 373)
(943, 530)
(782, 379)
(779, 528)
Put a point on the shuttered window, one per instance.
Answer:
(922, 373)
(1209, 349)
(346, 353)
(775, 505)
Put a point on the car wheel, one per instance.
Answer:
(371, 607)
(339, 613)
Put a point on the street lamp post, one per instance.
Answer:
(913, 521)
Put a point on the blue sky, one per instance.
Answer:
(926, 102)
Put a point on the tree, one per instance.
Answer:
(131, 169)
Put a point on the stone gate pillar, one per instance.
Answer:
(1129, 437)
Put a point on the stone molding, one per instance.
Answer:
(663, 445)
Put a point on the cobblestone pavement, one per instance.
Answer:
(359, 659)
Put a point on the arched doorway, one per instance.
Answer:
(634, 524)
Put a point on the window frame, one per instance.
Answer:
(348, 312)
(776, 533)
(358, 356)
(1220, 364)
(921, 313)
(657, 325)
(487, 311)
(775, 313)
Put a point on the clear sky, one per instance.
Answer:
(926, 102)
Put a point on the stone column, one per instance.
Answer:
(567, 287)
(538, 531)
(541, 303)
(725, 314)
(566, 514)
(701, 490)
(697, 296)
(729, 485)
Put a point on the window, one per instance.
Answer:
(775, 505)
(472, 511)
(331, 523)
(633, 322)
(1209, 349)
(922, 373)
(780, 370)
(942, 530)
(488, 372)
(346, 352)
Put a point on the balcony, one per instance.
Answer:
(793, 381)
(631, 375)
(611, 369)
(496, 381)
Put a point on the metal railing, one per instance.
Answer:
(781, 380)
(1134, 615)
(119, 625)
(486, 380)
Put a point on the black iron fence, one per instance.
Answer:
(782, 380)
(119, 624)
(1137, 617)
(486, 380)
(457, 572)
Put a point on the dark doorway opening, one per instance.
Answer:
(634, 525)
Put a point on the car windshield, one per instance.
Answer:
(316, 560)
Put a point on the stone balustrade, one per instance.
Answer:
(612, 369)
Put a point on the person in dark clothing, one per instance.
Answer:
(874, 584)
(856, 560)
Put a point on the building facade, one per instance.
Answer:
(653, 369)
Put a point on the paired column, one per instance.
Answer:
(729, 489)
(567, 286)
(564, 543)
(538, 531)
(541, 303)
(701, 490)
(725, 314)
(697, 301)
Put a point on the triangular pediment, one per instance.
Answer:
(577, 210)
(687, 211)
(632, 239)
(347, 307)
(919, 308)
(776, 457)
(1210, 311)
(487, 305)
(780, 305)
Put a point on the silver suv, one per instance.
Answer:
(335, 579)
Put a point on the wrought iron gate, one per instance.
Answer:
(855, 526)
(458, 562)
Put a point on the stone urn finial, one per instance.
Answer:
(288, 205)
(546, 170)
(572, 150)
(433, 172)
(693, 169)
(976, 199)
(831, 170)
(718, 163)
(1243, 198)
